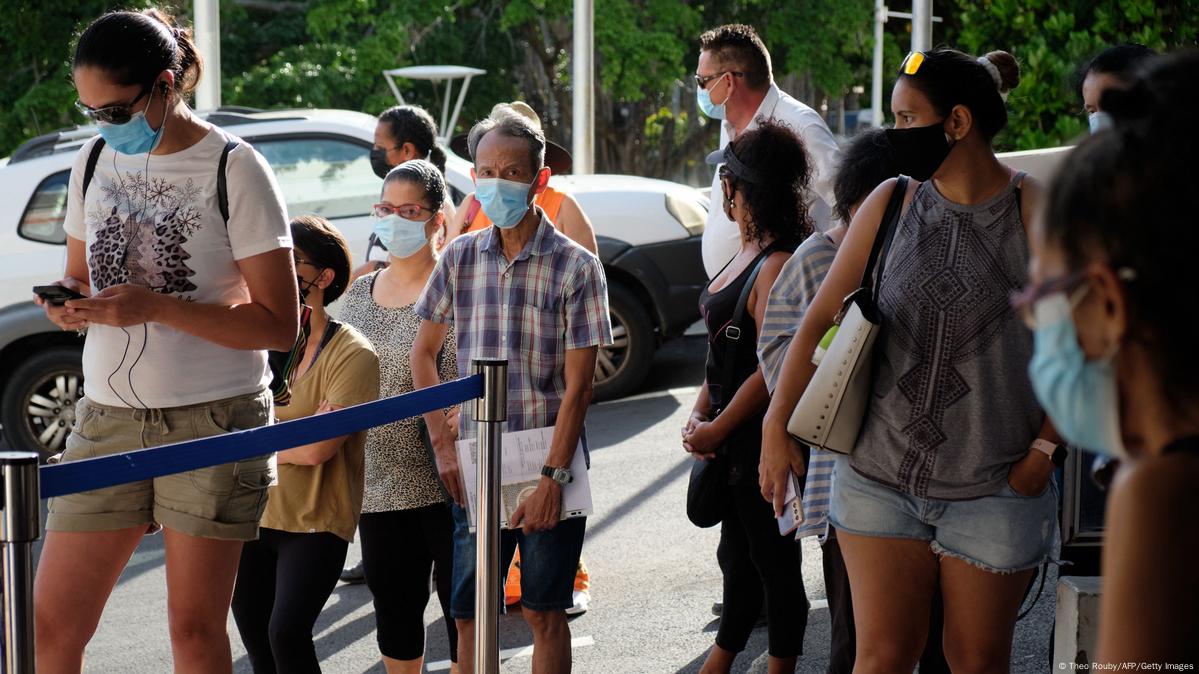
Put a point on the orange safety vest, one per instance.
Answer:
(550, 201)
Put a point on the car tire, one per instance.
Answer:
(38, 405)
(622, 366)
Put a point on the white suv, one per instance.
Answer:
(648, 231)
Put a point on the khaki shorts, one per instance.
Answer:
(224, 501)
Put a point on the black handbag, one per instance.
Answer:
(708, 487)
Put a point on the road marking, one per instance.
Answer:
(818, 604)
(513, 653)
(668, 393)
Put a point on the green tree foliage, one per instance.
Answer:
(330, 53)
(1050, 39)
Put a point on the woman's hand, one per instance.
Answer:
(695, 418)
(780, 454)
(703, 439)
(119, 306)
(58, 313)
(1029, 476)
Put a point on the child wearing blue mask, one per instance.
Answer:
(1112, 306)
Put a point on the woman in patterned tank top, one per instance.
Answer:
(952, 437)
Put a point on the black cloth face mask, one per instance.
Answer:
(919, 151)
(379, 162)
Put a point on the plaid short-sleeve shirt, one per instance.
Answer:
(553, 297)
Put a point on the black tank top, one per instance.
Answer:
(744, 445)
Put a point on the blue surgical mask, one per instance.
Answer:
(1100, 120)
(503, 201)
(713, 110)
(403, 238)
(134, 136)
(1079, 395)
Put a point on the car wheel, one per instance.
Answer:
(622, 366)
(38, 406)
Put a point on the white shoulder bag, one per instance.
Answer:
(829, 414)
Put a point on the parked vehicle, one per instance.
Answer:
(648, 230)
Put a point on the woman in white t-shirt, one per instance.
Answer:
(182, 301)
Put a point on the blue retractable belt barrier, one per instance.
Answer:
(144, 464)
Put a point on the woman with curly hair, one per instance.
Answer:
(763, 174)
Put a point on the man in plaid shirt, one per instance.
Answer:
(521, 291)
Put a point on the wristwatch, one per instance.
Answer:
(1056, 453)
(559, 475)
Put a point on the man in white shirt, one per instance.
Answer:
(734, 69)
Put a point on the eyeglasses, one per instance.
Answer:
(406, 211)
(912, 62)
(1074, 285)
(299, 261)
(112, 114)
(702, 81)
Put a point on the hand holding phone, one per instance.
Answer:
(57, 295)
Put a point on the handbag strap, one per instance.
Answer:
(732, 331)
(873, 276)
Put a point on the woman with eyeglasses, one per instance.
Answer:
(949, 481)
(285, 577)
(406, 526)
(763, 175)
(1112, 306)
(177, 236)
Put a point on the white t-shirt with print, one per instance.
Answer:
(159, 225)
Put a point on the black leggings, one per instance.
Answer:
(399, 549)
(283, 582)
(759, 566)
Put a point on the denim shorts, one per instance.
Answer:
(1003, 533)
(548, 561)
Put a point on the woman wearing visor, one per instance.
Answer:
(763, 173)
(406, 526)
(188, 285)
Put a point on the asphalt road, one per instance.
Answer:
(654, 574)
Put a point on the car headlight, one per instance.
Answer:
(691, 214)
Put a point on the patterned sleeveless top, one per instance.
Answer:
(952, 407)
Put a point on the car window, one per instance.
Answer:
(322, 176)
(46, 210)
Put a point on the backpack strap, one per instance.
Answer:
(89, 169)
(222, 184)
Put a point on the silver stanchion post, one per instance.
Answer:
(490, 412)
(19, 528)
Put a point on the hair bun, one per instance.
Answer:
(1007, 67)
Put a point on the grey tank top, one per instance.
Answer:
(952, 406)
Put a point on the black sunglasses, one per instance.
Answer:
(702, 81)
(112, 114)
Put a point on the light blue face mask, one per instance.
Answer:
(713, 110)
(134, 136)
(1079, 395)
(1100, 120)
(402, 237)
(504, 202)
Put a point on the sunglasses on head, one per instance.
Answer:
(112, 114)
(912, 62)
(406, 211)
